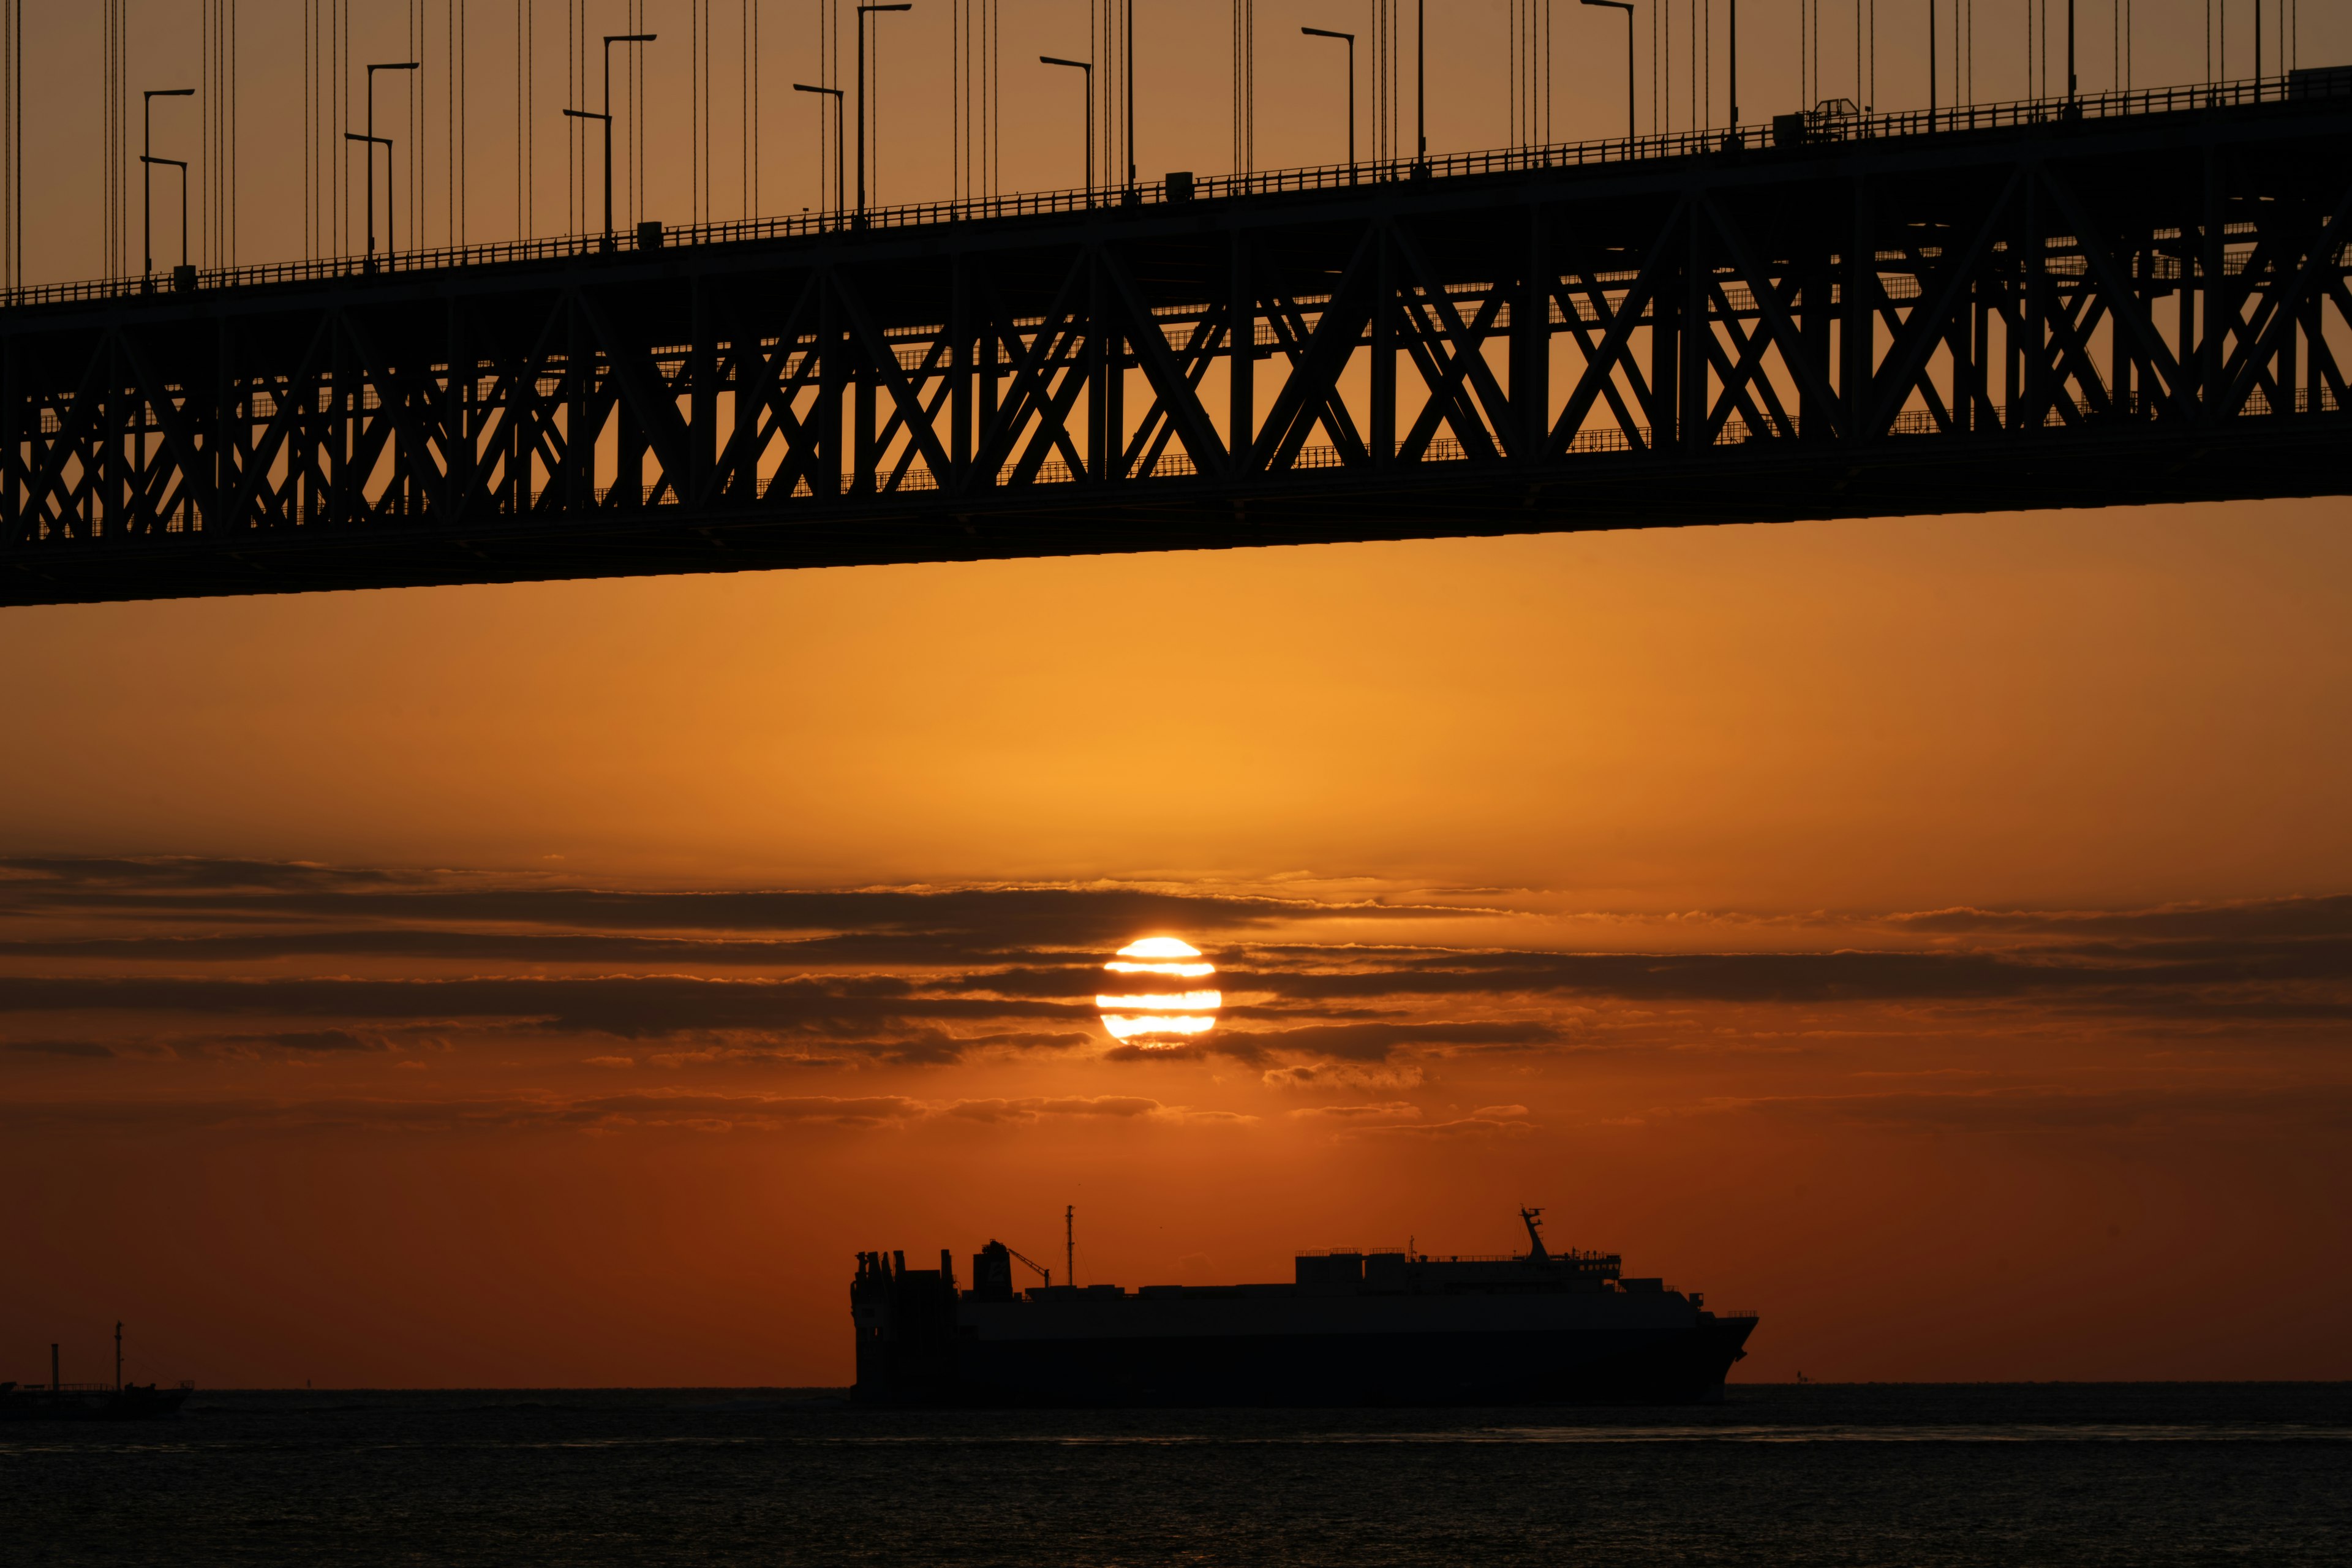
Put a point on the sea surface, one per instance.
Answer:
(1830, 1474)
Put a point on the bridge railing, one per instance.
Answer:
(1826, 124)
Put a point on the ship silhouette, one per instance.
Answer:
(58, 1400)
(1352, 1328)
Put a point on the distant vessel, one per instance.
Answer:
(1351, 1329)
(116, 1401)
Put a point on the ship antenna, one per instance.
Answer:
(1534, 1219)
(1070, 1243)
(118, 1355)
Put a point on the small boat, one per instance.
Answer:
(117, 1401)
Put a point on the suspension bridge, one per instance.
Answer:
(2094, 300)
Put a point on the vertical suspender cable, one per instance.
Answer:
(958, 99)
(630, 75)
(638, 117)
(995, 103)
(696, 17)
(310, 135)
(106, 138)
(751, 195)
(11, 87)
(825, 144)
(710, 87)
(572, 127)
(16, 144)
(416, 120)
(449, 120)
(527, 107)
(8, 134)
(747, 51)
(634, 73)
(522, 119)
(871, 89)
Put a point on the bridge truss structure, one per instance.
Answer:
(2134, 301)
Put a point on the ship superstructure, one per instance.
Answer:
(1352, 1328)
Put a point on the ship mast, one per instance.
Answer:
(1070, 1243)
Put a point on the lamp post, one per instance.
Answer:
(374, 142)
(1931, 66)
(606, 116)
(1420, 88)
(1732, 77)
(864, 12)
(147, 181)
(1350, 38)
(1626, 6)
(1088, 68)
(184, 270)
(2070, 48)
(833, 93)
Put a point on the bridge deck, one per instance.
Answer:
(1878, 318)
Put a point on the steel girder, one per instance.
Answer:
(2066, 314)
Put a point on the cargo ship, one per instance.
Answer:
(1352, 1328)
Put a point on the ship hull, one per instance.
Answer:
(1634, 1366)
(131, 1403)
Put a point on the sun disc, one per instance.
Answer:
(1160, 947)
(1153, 998)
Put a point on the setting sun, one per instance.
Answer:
(1158, 1008)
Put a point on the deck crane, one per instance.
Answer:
(1043, 1273)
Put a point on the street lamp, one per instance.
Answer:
(2069, 50)
(1420, 88)
(1128, 92)
(184, 270)
(1089, 70)
(1732, 77)
(864, 12)
(606, 116)
(391, 196)
(1350, 38)
(1626, 6)
(147, 180)
(833, 93)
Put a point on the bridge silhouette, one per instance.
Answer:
(2116, 299)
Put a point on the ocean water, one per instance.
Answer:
(1848, 1475)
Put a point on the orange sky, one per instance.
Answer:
(1596, 872)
